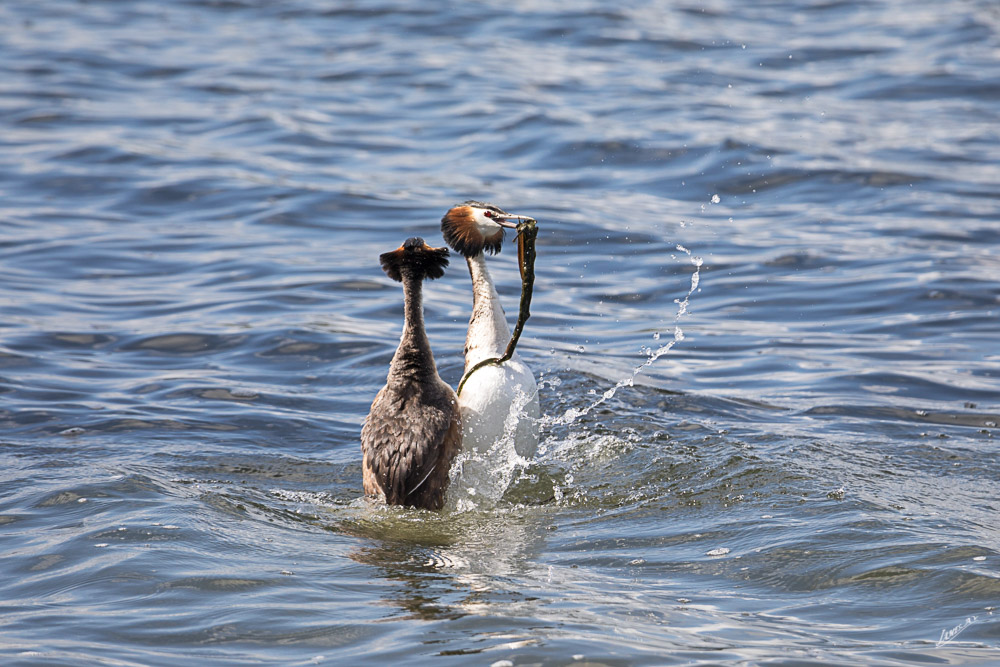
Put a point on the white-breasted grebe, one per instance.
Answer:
(414, 428)
(496, 400)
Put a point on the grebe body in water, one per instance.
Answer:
(414, 429)
(496, 400)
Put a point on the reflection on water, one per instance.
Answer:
(453, 565)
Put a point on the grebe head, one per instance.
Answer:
(474, 226)
(414, 258)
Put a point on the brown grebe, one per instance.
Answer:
(414, 429)
(502, 400)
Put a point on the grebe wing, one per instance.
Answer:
(402, 442)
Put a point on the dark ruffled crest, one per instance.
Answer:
(417, 257)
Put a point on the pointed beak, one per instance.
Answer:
(506, 220)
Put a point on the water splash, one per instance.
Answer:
(479, 479)
(572, 414)
(682, 304)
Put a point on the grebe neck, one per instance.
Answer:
(413, 357)
(488, 328)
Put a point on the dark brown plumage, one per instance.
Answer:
(418, 256)
(414, 430)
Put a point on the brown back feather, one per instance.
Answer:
(408, 443)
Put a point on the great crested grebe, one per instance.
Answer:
(414, 429)
(494, 398)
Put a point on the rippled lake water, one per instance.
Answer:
(766, 326)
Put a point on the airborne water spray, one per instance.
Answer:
(572, 414)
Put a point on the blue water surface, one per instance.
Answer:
(766, 327)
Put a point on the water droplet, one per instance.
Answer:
(715, 199)
(656, 336)
(581, 348)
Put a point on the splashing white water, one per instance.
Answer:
(480, 478)
(572, 414)
(682, 304)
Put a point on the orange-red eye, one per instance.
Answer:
(488, 214)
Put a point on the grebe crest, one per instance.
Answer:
(417, 257)
(414, 428)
